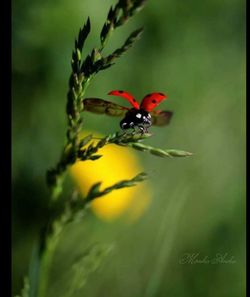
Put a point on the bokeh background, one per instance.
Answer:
(195, 52)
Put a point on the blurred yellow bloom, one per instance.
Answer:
(116, 164)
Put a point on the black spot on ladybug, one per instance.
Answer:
(120, 92)
(134, 99)
(161, 94)
(153, 101)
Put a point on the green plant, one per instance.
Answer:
(62, 212)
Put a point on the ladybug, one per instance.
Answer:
(141, 116)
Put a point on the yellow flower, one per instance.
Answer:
(116, 164)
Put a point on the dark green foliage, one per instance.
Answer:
(25, 292)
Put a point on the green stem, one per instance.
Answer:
(46, 260)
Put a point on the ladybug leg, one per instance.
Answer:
(145, 129)
(132, 126)
(134, 130)
(142, 129)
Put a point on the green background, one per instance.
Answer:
(195, 52)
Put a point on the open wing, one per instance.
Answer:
(101, 106)
(161, 117)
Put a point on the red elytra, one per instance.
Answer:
(127, 96)
(149, 102)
